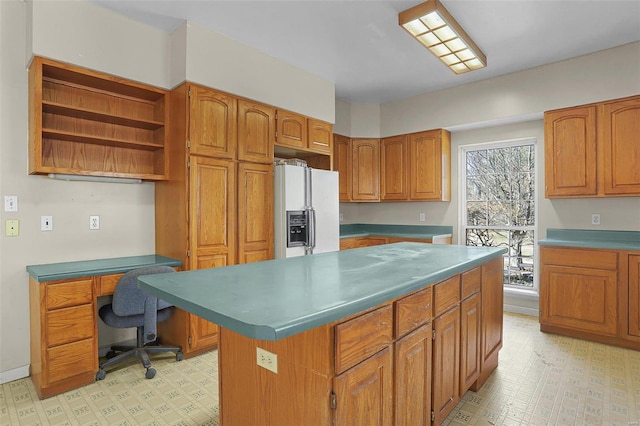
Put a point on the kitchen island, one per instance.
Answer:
(362, 336)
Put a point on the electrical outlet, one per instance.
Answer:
(267, 360)
(422, 217)
(10, 203)
(12, 228)
(94, 222)
(341, 217)
(595, 219)
(46, 223)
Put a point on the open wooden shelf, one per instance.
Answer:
(89, 123)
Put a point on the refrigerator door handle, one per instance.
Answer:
(312, 229)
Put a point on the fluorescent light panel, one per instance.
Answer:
(88, 178)
(434, 27)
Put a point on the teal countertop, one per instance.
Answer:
(402, 231)
(278, 298)
(586, 238)
(84, 268)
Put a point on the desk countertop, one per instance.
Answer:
(86, 268)
(586, 238)
(278, 298)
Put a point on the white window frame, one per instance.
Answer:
(462, 214)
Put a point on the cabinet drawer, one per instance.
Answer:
(471, 282)
(69, 325)
(108, 284)
(413, 311)
(445, 295)
(361, 337)
(69, 293)
(72, 359)
(584, 258)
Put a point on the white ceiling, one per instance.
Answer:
(358, 44)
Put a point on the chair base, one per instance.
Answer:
(141, 351)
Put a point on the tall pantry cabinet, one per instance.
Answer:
(216, 208)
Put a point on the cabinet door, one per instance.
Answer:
(446, 364)
(430, 166)
(203, 334)
(320, 136)
(212, 123)
(256, 132)
(469, 342)
(413, 378)
(212, 205)
(342, 161)
(592, 296)
(255, 212)
(394, 169)
(365, 172)
(291, 129)
(570, 152)
(364, 393)
(634, 295)
(348, 243)
(620, 138)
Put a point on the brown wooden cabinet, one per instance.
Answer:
(291, 129)
(413, 378)
(394, 168)
(591, 150)
(84, 122)
(570, 152)
(470, 328)
(342, 162)
(212, 122)
(634, 295)
(430, 166)
(365, 169)
(586, 278)
(214, 210)
(256, 132)
(320, 136)
(446, 363)
(64, 335)
(355, 242)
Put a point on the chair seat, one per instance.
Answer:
(129, 321)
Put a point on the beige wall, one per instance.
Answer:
(88, 35)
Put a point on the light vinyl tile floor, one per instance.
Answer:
(542, 379)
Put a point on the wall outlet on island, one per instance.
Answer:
(421, 217)
(267, 360)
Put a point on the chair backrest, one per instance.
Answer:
(128, 299)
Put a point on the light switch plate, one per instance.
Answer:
(10, 203)
(46, 223)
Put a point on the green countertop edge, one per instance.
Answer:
(84, 268)
(353, 230)
(588, 238)
(279, 330)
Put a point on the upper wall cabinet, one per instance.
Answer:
(84, 122)
(291, 130)
(298, 136)
(320, 136)
(394, 168)
(593, 150)
(342, 162)
(256, 131)
(430, 166)
(365, 171)
(212, 122)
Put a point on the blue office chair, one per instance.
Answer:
(131, 307)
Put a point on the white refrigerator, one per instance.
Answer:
(306, 211)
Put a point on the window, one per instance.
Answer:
(499, 204)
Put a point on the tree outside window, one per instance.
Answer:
(500, 205)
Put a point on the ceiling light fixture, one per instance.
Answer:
(434, 27)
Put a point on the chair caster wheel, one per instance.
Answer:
(110, 354)
(150, 373)
(179, 356)
(101, 374)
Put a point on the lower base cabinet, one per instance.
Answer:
(603, 287)
(400, 363)
(194, 334)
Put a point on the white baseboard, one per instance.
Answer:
(15, 374)
(522, 310)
